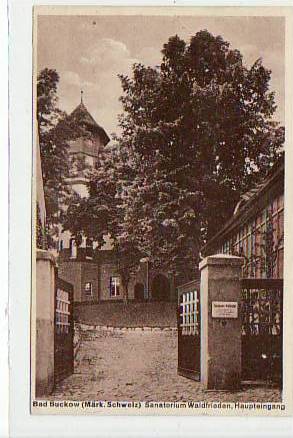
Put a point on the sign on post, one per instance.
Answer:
(224, 309)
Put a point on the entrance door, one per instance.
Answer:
(189, 330)
(262, 329)
(139, 292)
(160, 288)
(63, 339)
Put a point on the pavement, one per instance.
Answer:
(141, 366)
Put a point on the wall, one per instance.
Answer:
(45, 299)
(86, 147)
(71, 271)
(40, 185)
(132, 314)
(108, 270)
(80, 271)
(89, 273)
(249, 230)
(249, 240)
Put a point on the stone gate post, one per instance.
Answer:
(45, 298)
(220, 321)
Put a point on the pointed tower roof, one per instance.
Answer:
(82, 115)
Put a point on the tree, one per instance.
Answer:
(47, 110)
(196, 133)
(202, 130)
(53, 147)
(101, 216)
(56, 129)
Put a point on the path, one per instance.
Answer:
(140, 365)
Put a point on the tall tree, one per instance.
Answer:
(196, 133)
(56, 129)
(53, 147)
(203, 130)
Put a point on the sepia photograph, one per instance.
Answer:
(158, 211)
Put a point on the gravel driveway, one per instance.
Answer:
(140, 365)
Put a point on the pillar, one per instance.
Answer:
(220, 294)
(45, 300)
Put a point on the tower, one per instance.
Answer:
(84, 151)
(79, 264)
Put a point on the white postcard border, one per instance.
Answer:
(22, 423)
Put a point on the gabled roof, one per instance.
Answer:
(82, 114)
(249, 203)
(255, 191)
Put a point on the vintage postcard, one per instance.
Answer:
(160, 217)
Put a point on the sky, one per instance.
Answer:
(89, 52)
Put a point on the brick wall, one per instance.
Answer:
(98, 272)
(90, 274)
(108, 270)
(71, 272)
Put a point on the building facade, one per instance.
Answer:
(96, 278)
(94, 272)
(256, 229)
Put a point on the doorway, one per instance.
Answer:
(139, 292)
(160, 288)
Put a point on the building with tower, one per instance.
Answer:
(93, 272)
(85, 150)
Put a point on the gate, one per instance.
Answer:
(262, 329)
(188, 322)
(63, 338)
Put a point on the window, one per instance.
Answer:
(89, 248)
(114, 286)
(73, 249)
(189, 313)
(88, 289)
(62, 311)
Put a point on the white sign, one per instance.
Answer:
(224, 309)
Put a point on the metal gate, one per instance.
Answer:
(262, 329)
(189, 330)
(63, 338)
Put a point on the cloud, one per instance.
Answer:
(95, 68)
(150, 56)
(107, 53)
(97, 75)
(71, 78)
